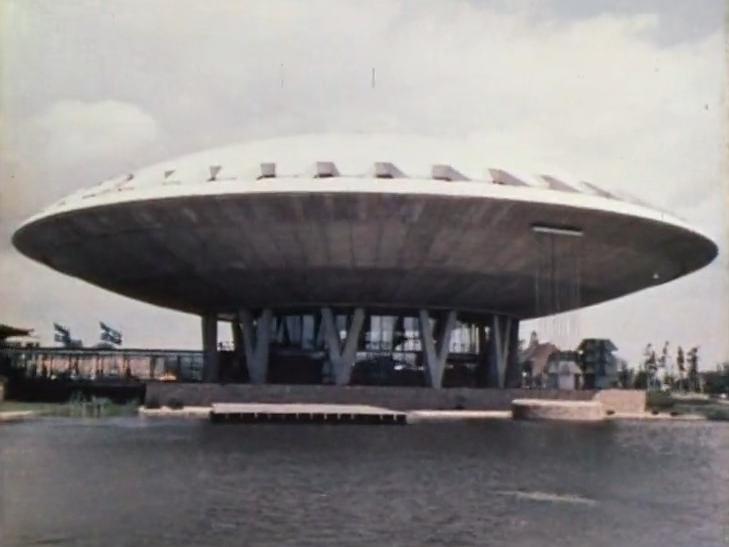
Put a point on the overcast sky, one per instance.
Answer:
(627, 94)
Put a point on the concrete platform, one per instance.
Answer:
(662, 416)
(202, 412)
(579, 411)
(441, 416)
(304, 413)
(17, 415)
(413, 417)
(398, 398)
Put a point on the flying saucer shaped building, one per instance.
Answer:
(344, 250)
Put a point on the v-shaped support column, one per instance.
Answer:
(256, 343)
(342, 354)
(435, 348)
(500, 334)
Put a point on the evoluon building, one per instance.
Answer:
(360, 258)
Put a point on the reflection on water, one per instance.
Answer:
(129, 481)
(549, 497)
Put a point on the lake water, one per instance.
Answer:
(135, 481)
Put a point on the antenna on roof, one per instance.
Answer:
(373, 77)
(281, 74)
(214, 170)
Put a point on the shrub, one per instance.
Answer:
(175, 404)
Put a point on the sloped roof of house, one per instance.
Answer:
(6, 331)
(539, 355)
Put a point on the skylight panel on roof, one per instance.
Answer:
(499, 176)
(447, 173)
(326, 169)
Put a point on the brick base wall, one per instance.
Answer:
(622, 400)
(395, 398)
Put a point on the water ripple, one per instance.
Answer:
(548, 496)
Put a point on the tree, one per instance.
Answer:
(693, 369)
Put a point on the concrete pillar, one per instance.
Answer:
(494, 325)
(256, 343)
(210, 347)
(513, 368)
(342, 354)
(502, 349)
(435, 347)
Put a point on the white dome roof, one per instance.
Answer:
(312, 220)
(352, 155)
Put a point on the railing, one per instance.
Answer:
(92, 363)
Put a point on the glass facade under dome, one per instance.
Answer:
(389, 351)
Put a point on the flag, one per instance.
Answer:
(62, 334)
(109, 334)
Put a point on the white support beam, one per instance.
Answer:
(342, 354)
(256, 343)
(500, 336)
(435, 348)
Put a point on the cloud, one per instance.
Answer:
(70, 134)
(69, 145)
(629, 100)
(37, 297)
